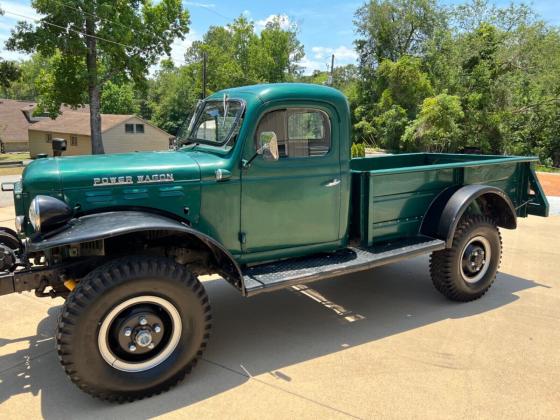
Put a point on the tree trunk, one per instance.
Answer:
(94, 89)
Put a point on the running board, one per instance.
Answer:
(280, 274)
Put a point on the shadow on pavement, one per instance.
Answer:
(264, 334)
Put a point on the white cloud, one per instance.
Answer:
(13, 13)
(18, 8)
(285, 22)
(180, 47)
(320, 58)
(309, 66)
(342, 53)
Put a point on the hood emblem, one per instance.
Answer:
(130, 180)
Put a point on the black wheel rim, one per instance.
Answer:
(139, 333)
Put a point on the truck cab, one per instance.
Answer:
(261, 191)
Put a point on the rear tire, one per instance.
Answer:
(132, 328)
(468, 269)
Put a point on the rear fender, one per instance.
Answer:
(446, 210)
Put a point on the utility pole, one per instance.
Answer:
(204, 62)
(331, 76)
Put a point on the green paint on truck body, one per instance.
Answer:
(274, 209)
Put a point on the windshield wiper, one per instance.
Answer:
(189, 142)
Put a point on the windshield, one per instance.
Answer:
(216, 123)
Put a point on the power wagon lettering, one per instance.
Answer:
(128, 180)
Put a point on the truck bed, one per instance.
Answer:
(391, 193)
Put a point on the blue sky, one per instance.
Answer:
(325, 26)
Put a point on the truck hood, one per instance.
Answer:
(89, 171)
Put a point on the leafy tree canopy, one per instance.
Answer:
(95, 40)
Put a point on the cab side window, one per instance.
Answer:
(301, 132)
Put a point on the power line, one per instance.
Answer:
(63, 3)
(69, 29)
(83, 33)
(210, 9)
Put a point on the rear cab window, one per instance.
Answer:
(301, 132)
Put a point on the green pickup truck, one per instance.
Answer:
(262, 191)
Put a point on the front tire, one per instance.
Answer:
(132, 328)
(468, 269)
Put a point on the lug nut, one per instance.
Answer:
(127, 332)
(143, 320)
(132, 347)
(151, 346)
(157, 328)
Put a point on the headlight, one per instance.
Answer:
(47, 213)
(35, 214)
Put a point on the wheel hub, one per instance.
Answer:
(140, 333)
(475, 259)
(144, 338)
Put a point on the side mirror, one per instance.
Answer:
(268, 145)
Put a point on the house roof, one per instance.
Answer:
(13, 124)
(76, 122)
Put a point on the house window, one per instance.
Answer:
(129, 128)
(73, 140)
(49, 138)
(140, 128)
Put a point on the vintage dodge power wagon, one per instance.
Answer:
(260, 190)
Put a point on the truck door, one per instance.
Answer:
(292, 200)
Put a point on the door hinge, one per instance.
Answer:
(242, 237)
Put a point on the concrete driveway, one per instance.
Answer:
(7, 197)
(381, 343)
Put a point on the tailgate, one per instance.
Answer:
(538, 204)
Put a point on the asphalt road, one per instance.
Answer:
(381, 343)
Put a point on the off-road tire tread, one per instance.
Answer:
(441, 262)
(106, 277)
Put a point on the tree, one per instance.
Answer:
(118, 99)
(238, 56)
(437, 127)
(25, 88)
(172, 96)
(390, 29)
(403, 83)
(400, 88)
(280, 52)
(391, 125)
(9, 71)
(95, 40)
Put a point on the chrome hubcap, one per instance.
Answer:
(143, 338)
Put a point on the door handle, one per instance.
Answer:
(333, 183)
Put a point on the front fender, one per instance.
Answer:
(116, 223)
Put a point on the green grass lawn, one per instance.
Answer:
(8, 157)
(541, 168)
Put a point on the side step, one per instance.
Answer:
(280, 274)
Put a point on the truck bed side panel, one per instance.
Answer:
(398, 202)
(394, 196)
